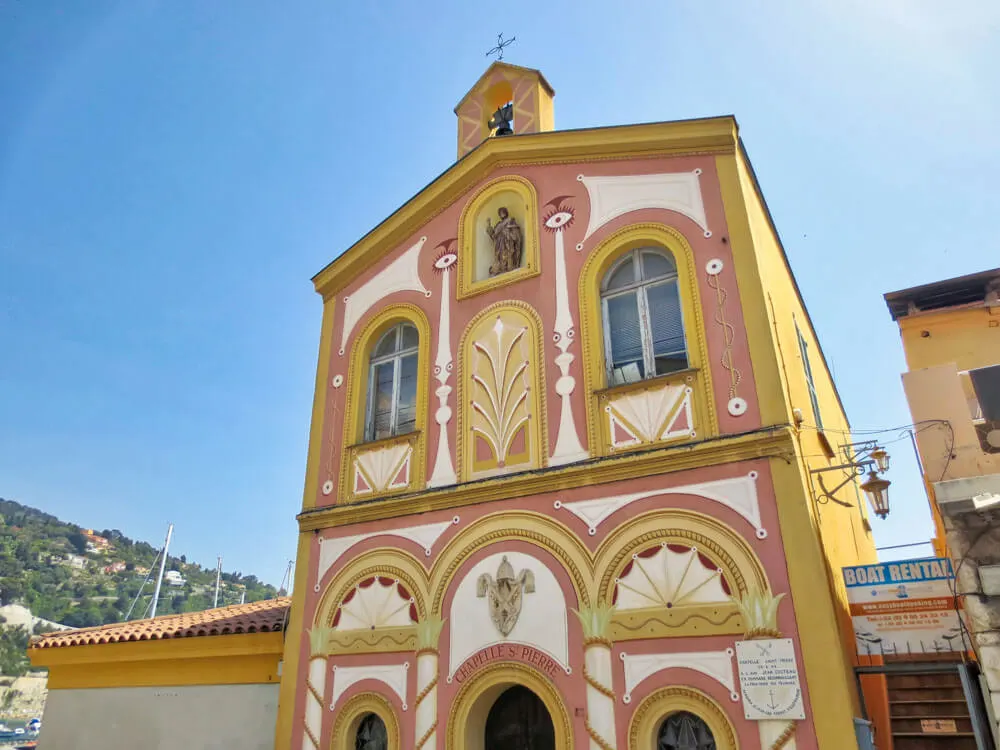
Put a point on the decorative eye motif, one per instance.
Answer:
(558, 219)
(559, 214)
(445, 260)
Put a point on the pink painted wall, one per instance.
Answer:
(769, 550)
(553, 181)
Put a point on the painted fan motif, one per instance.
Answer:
(382, 469)
(669, 575)
(500, 404)
(376, 603)
(650, 416)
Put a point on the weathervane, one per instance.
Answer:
(501, 43)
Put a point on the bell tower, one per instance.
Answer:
(506, 100)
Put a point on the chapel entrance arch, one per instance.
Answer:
(519, 720)
(491, 702)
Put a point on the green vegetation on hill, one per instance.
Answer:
(60, 574)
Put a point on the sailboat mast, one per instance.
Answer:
(218, 578)
(163, 567)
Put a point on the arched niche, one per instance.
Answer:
(502, 425)
(517, 196)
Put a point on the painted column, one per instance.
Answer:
(597, 674)
(760, 620)
(444, 470)
(568, 447)
(425, 733)
(315, 688)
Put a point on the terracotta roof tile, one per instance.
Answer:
(256, 617)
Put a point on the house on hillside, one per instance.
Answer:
(75, 561)
(115, 567)
(95, 542)
(173, 578)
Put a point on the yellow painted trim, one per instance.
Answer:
(357, 393)
(477, 695)
(658, 706)
(377, 641)
(319, 406)
(345, 726)
(713, 135)
(468, 286)
(679, 622)
(775, 408)
(828, 669)
(667, 460)
(595, 383)
(206, 660)
(537, 427)
(293, 643)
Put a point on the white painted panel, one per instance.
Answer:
(201, 717)
(611, 197)
(542, 622)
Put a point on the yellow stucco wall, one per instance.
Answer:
(208, 660)
(819, 539)
(968, 337)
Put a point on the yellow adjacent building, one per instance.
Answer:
(951, 336)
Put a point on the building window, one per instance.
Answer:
(392, 384)
(371, 734)
(684, 731)
(643, 325)
(804, 351)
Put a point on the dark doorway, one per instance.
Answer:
(371, 734)
(684, 731)
(519, 721)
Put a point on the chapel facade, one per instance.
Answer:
(567, 403)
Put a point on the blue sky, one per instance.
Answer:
(173, 172)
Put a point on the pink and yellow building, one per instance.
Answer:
(551, 495)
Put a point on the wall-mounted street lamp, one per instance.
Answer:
(861, 458)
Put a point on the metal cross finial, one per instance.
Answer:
(501, 43)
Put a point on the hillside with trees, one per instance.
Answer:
(84, 577)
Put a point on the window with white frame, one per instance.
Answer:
(392, 384)
(643, 325)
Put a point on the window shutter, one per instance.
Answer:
(624, 329)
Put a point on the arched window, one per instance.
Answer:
(684, 731)
(519, 721)
(392, 384)
(643, 326)
(371, 734)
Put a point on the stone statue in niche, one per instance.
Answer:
(508, 242)
(504, 594)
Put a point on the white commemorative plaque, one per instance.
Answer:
(769, 679)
